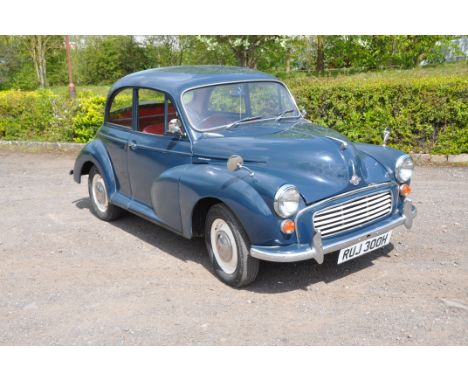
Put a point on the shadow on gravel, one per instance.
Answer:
(284, 277)
(161, 238)
(272, 278)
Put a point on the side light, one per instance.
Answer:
(405, 190)
(288, 226)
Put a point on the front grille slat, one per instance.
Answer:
(353, 213)
(353, 210)
(352, 203)
(356, 216)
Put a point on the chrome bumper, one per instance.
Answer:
(298, 252)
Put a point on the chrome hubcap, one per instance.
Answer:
(224, 246)
(99, 193)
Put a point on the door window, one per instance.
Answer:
(155, 110)
(120, 112)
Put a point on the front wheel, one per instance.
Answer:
(228, 248)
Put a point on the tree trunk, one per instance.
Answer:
(37, 46)
(42, 60)
(320, 64)
(288, 60)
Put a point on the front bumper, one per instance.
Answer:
(316, 249)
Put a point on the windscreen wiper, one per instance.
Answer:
(282, 114)
(247, 119)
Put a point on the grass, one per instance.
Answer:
(100, 90)
(455, 69)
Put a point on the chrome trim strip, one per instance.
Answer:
(113, 138)
(158, 149)
(299, 252)
(344, 144)
(336, 197)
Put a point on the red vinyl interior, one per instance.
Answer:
(150, 118)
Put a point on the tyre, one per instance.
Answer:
(100, 204)
(228, 248)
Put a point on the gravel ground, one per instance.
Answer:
(68, 278)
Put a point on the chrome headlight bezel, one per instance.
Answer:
(287, 194)
(404, 168)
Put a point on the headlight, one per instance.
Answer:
(286, 201)
(404, 168)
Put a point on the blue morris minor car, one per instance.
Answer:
(225, 153)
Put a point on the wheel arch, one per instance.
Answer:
(199, 213)
(202, 186)
(95, 154)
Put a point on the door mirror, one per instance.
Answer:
(174, 127)
(235, 162)
(303, 112)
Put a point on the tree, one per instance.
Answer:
(104, 59)
(38, 46)
(246, 49)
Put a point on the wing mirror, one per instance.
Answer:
(303, 112)
(174, 127)
(236, 162)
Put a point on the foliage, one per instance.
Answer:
(104, 59)
(427, 109)
(246, 49)
(425, 114)
(38, 115)
(22, 66)
(89, 118)
(26, 61)
(373, 51)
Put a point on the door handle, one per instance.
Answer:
(132, 145)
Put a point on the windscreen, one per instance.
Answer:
(223, 105)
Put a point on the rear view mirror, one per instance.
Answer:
(236, 92)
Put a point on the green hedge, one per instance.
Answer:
(35, 115)
(426, 114)
(46, 116)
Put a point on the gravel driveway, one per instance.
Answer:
(68, 278)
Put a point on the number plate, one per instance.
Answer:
(364, 247)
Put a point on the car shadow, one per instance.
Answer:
(272, 278)
(156, 236)
(284, 277)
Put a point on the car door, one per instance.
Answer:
(115, 134)
(152, 152)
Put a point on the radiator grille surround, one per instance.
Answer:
(353, 213)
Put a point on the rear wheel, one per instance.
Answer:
(228, 248)
(99, 196)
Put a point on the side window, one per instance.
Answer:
(120, 112)
(152, 106)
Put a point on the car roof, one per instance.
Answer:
(176, 79)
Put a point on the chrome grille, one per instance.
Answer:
(345, 216)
